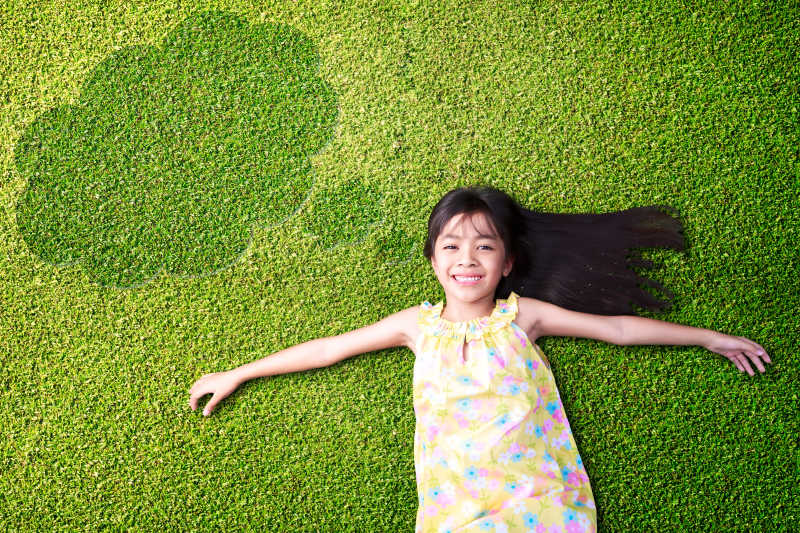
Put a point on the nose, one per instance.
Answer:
(466, 258)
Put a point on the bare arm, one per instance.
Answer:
(641, 330)
(303, 356)
(739, 350)
(389, 332)
(324, 351)
(625, 330)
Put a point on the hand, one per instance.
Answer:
(221, 384)
(736, 348)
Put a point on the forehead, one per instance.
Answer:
(468, 225)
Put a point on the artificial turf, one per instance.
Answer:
(187, 189)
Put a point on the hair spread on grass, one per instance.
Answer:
(578, 261)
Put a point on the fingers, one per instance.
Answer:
(763, 353)
(740, 359)
(198, 391)
(735, 360)
(758, 350)
(210, 405)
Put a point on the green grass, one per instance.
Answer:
(186, 191)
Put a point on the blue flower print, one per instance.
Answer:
(539, 431)
(492, 352)
(464, 404)
(570, 515)
(552, 407)
(471, 473)
(530, 520)
(511, 487)
(579, 462)
(517, 457)
(486, 525)
(565, 472)
(468, 445)
(464, 380)
(434, 492)
(529, 365)
(514, 389)
(548, 457)
(503, 420)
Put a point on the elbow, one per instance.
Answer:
(324, 352)
(621, 336)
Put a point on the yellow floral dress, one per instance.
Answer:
(493, 449)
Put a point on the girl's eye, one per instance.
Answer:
(481, 246)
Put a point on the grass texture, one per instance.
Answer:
(188, 188)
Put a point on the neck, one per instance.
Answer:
(456, 310)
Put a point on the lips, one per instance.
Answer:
(480, 277)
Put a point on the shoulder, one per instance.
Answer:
(411, 316)
(407, 322)
(396, 329)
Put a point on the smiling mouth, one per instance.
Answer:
(467, 279)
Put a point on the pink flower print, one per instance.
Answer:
(446, 500)
(496, 357)
(555, 529)
(509, 386)
(521, 336)
(548, 425)
(575, 527)
(430, 510)
(433, 430)
(493, 484)
(541, 529)
(483, 472)
(574, 479)
(462, 421)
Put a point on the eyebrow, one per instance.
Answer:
(481, 236)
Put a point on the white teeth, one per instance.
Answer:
(460, 278)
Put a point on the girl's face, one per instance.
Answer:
(467, 245)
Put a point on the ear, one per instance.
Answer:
(509, 265)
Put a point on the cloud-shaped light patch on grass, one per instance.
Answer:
(172, 152)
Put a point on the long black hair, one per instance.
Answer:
(577, 261)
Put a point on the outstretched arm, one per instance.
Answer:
(549, 319)
(641, 330)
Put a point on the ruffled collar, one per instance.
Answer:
(431, 321)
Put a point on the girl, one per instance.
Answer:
(493, 447)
